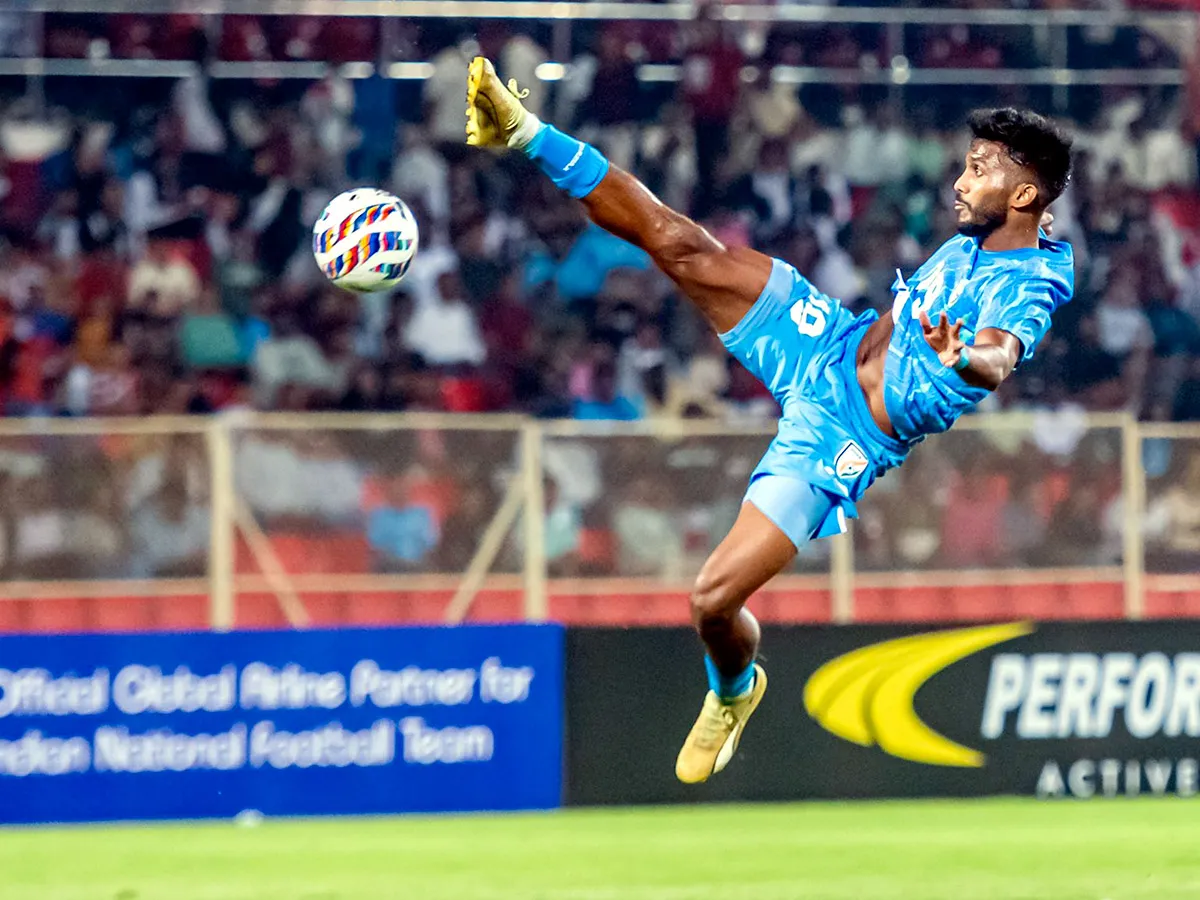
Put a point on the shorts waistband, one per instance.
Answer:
(860, 414)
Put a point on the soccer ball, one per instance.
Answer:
(365, 240)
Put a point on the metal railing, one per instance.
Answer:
(453, 507)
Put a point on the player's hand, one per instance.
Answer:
(944, 338)
(1047, 222)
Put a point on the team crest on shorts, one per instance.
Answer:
(851, 461)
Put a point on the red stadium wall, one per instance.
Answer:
(628, 604)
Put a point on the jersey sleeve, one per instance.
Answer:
(1022, 306)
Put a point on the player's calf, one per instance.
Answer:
(736, 684)
(753, 552)
(729, 631)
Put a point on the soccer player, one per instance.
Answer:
(857, 393)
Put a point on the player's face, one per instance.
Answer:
(983, 190)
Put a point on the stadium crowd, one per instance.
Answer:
(156, 259)
(156, 255)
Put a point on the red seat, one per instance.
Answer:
(464, 395)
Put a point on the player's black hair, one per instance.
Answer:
(1032, 141)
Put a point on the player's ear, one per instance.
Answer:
(1024, 196)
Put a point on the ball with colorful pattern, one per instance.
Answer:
(365, 240)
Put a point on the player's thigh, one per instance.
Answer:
(724, 285)
(789, 324)
(754, 552)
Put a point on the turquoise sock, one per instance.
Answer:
(729, 687)
(574, 166)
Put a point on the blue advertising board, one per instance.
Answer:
(153, 726)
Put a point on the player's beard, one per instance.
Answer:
(983, 220)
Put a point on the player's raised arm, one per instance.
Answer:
(986, 363)
(723, 282)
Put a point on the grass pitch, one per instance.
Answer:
(965, 850)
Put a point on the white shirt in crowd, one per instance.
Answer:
(874, 155)
(293, 359)
(444, 91)
(445, 334)
(420, 172)
(1122, 329)
(202, 129)
(174, 281)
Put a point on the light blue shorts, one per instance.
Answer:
(803, 346)
(801, 511)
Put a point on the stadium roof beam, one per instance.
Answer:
(531, 9)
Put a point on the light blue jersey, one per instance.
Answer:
(1016, 291)
(803, 346)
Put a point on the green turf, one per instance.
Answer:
(977, 850)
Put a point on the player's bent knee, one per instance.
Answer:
(714, 599)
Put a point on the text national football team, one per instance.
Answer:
(856, 392)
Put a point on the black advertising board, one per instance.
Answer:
(1049, 709)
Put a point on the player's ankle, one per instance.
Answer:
(524, 133)
(729, 688)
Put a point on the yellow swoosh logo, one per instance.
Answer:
(866, 696)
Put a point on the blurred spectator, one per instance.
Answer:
(876, 151)
(169, 534)
(445, 96)
(421, 173)
(711, 84)
(649, 540)
(446, 332)
(610, 108)
(290, 358)
(208, 337)
(103, 384)
(1023, 523)
(972, 521)
(164, 283)
(602, 400)
(1178, 546)
(1077, 533)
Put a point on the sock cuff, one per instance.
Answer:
(728, 687)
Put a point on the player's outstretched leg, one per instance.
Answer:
(724, 283)
(753, 552)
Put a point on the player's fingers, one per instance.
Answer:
(943, 322)
(925, 323)
(954, 332)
